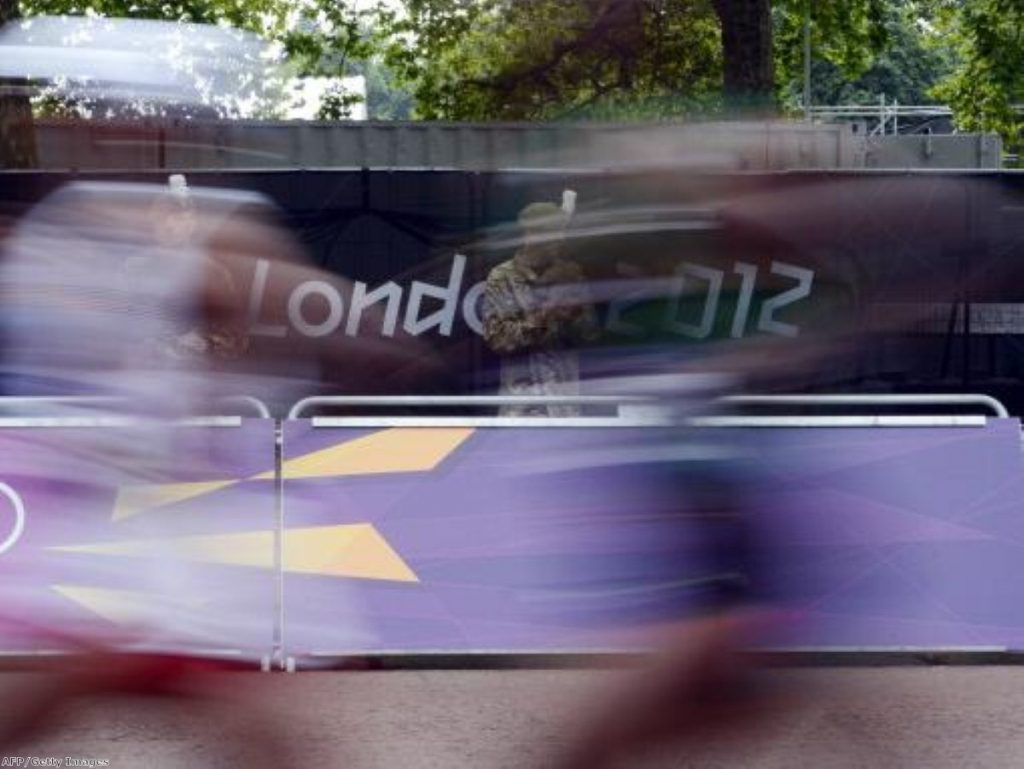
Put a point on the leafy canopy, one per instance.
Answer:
(620, 59)
(987, 85)
(537, 59)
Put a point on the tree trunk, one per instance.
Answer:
(749, 73)
(17, 134)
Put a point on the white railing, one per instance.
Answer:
(36, 405)
(960, 400)
(434, 401)
(651, 410)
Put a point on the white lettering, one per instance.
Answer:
(452, 301)
(391, 292)
(804, 279)
(627, 301)
(471, 307)
(714, 279)
(335, 308)
(444, 318)
(748, 277)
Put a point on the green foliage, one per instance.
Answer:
(988, 81)
(902, 57)
(551, 59)
(845, 33)
(337, 103)
(385, 98)
(610, 59)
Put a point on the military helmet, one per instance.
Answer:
(542, 217)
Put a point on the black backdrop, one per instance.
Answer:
(874, 239)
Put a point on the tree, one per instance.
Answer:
(17, 136)
(987, 84)
(748, 66)
(905, 59)
(543, 59)
(486, 59)
(385, 98)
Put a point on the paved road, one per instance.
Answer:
(857, 717)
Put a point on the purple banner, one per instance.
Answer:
(920, 531)
(462, 538)
(482, 538)
(100, 542)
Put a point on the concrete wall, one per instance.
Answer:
(725, 146)
(924, 151)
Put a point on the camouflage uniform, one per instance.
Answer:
(534, 319)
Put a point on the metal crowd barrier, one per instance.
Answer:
(301, 407)
(614, 404)
(635, 410)
(98, 413)
(627, 411)
(981, 401)
(29, 406)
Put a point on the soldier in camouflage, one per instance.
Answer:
(536, 311)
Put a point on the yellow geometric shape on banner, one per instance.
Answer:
(394, 450)
(132, 500)
(118, 606)
(349, 550)
(128, 606)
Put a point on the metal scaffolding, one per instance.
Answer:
(886, 116)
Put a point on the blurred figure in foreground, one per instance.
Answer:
(112, 291)
(153, 547)
(536, 313)
(219, 331)
(253, 735)
(664, 546)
